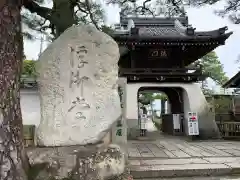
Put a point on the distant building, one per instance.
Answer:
(234, 82)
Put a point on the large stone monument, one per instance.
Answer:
(77, 83)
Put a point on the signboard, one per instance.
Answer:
(158, 53)
(143, 121)
(193, 128)
(176, 121)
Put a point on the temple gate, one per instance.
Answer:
(158, 53)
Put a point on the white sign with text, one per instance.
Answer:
(193, 128)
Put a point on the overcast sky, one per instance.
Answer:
(202, 19)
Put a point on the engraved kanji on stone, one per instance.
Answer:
(82, 63)
(79, 115)
(75, 78)
(81, 52)
(71, 56)
(80, 101)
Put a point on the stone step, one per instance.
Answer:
(188, 167)
(196, 178)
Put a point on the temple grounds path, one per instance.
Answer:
(161, 156)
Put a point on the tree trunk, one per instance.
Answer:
(63, 10)
(12, 157)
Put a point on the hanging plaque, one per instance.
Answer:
(158, 53)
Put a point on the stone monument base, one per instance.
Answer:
(78, 163)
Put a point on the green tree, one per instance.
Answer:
(29, 68)
(160, 96)
(13, 164)
(212, 68)
(147, 99)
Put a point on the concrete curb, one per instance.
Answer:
(171, 171)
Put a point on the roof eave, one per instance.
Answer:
(221, 38)
(157, 20)
(231, 82)
(227, 35)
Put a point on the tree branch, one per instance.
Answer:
(144, 8)
(176, 5)
(49, 14)
(88, 7)
(33, 7)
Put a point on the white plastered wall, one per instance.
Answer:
(30, 106)
(194, 101)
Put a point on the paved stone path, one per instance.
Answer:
(177, 148)
(172, 156)
(179, 158)
(162, 146)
